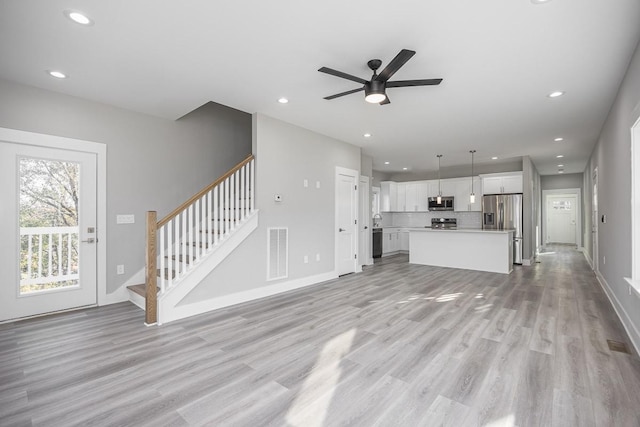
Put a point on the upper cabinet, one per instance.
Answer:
(498, 183)
(413, 196)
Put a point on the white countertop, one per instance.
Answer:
(459, 230)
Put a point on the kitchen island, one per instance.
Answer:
(471, 249)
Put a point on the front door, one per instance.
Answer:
(48, 230)
(346, 218)
(561, 218)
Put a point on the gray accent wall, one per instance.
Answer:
(152, 163)
(612, 157)
(562, 181)
(286, 155)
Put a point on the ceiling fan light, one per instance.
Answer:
(374, 92)
(375, 98)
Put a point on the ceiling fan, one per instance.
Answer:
(375, 89)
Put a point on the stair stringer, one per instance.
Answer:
(168, 309)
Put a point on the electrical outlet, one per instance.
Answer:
(317, 257)
(305, 183)
(120, 269)
(306, 259)
(604, 260)
(317, 184)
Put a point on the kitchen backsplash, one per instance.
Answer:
(420, 219)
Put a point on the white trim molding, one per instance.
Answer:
(632, 330)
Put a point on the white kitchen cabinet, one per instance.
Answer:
(394, 240)
(510, 182)
(448, 187)
(463, 191)
(390, 241)
(422, 195)
(403, 237)
(401, 196)
(388, 196)
(411, 197)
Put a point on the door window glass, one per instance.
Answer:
(48, 216)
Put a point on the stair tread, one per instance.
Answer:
(138, 289)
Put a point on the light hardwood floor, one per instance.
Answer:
(397, 345)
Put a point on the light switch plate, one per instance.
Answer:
(125, 219)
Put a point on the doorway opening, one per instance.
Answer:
(562, 217)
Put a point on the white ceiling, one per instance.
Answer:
(499, 60)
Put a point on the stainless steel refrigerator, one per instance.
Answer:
(504, 212)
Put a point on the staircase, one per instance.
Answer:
(187, 244)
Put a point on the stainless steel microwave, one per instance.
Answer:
(446, 204)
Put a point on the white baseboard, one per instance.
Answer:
(187, 310)
(632, 330)
(588, 258)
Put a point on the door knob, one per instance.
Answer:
(340, 230)
(89, 240)
(366, 228)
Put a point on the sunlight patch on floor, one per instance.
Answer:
(449, 297)
(508, 421)
(312, 403)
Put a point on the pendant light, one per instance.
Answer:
(439, 198)
(472, 196)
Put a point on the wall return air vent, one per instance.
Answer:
(277, 253)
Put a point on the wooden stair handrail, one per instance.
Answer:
(202, 192)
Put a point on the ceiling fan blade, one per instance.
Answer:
(349, 92)
(342, 75)
(386, 101)
(395, 65)
(423, 82)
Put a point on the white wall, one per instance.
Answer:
(612, 157)
(285, 156)
(152, 163)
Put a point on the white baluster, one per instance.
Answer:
(69, 253)
(252, 185)
(163, 264)
(183, 237)
(208, 220)
(215, 214)
(226, 205)
(196, 230)
(176, 239)
(39, 256)
(170, 255)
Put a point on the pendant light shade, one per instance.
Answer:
(472, 196)
(439, 198)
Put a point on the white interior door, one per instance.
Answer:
(561, 218)
(365, 254)
(346, 219)
(48, 230)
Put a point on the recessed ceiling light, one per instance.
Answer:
(539, 1)
(367, 135)
(560, 171)
(556, 94)
(559, 139)
(494, 158)
(283, 100)
(404, 169)
(386, 163)
(78, 17)
(57, 74)
(560, 166)
(559, 156)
